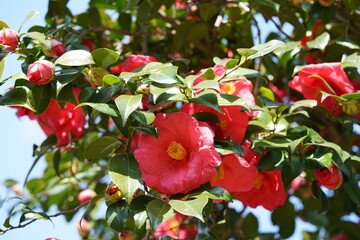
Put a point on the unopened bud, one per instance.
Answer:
(41, 72)
(113, 193)
(96, 75)
(127, 235)
(326, 3)
(86, 195)
(329, 178)
(9, 37)
(57, 48)
(83, 228)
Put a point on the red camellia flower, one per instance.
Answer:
(89, 44)
(267, 191)
(66, 123)
(57, 48)
(232, 123)
(177, 227)
(329, 178)
(86, 195)
(136, 61)
(326, 77)
(181, 158)
(41, 72)
(235, 174)
(117, 69)
(9, 37)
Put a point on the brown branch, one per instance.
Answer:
(50, 216)
(103, 28)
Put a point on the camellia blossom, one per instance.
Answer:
(235, 174)
(182, 157)
(57, 48)
(41, 72)
(326, 77)
(267, 191)
(66, 123)
(9, 37)
(136, 61)
(177, 227)
(232, 123)
(329, 178)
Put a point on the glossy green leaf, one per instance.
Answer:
(246, 52)
(216, 193)
(351, 61)
(207, 84)
(208, 99)
(347, 43)
(124, 172)
(158, 212)
(109, 109)
(41, 95)
(116, 215)
(321, 197)
(191, 207)
(101, 148)
(166, 75)
(33, 215)
(41, 38)
(127, 104)
(3, 24)
(153, 131)
(144, 117)
(208, 74)
(28, 17)
(320, 42)
(270, 3)
(207, 11)
(250, 226)
(266, 48)
(242, 72)
(271, 143)
(75, 58)
(303, 103)
(110, 79)
(104, 57)
(284, 217)
(2, 66)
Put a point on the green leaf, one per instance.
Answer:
(127, 104)
(270, 3)
(217, 193)
(110, 79)
(153, 131)
(231, 100)
(16, 97)
(208, 99)
(75, 58)
(30, 215)
(271, 143)
(242, 72)
(321, 197)
(250, 226)
(303, 103)
(351, 61)
(207, 11)
(2, 66)
(124, 172)
(191, 207)
(109, 109)
(28, 17)
(266, 48)
(56, 161)
(347, 43)
(319, 42)
(209, 74)
(41, 95)
(116, 215)
(3, 25)
(353, 191)
(105, 57)
(101, 148)
(158, 212)
(284, 217)
(213, 84)
(145, 118)
(246, 52)
(166, 75)
(41, 38)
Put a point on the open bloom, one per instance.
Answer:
(326, 77)
(330, 179)
(41, 72)
(232, 123)
(235, 174)
(136, 61)
(9, 37)
(177, 227)
(267, 191)
(181, 158)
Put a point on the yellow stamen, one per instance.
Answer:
(176, 151)
(220, 173)
(228, 88)
(223, 123)
(173, 225)
(258, 181)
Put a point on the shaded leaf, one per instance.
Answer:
(158, 212)
(116, 215)
(101, 148)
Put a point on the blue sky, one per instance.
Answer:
(19, 135)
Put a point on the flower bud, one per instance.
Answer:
(96, 75)
(127, 235)
(83, 228)
(113, 193)
(330, 179)
(326, 3)
(86, 195)
(9, 37)
(57, 48)
(41, 72)
(89, 44)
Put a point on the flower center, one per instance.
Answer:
(258, 181)
(228, 88)
(176, 151)
(219, 174)
(173, 226)
(223, 124)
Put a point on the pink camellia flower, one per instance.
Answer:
(267, 191)
(235, 174)
(83, 227)
(89, 44)
(182, 157)
(127, 235)
(86, 195)
(57, 48)
(177, 227)
(326, 77)
(232, 123)
(135, 61)
(9, 37)
(41, 72)
(66, 122)
(330, 179)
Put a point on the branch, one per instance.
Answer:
(50, 216)
(103, 28)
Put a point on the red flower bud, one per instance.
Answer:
(41, 72)
(86, 195)
(127, 235)
(326, 3)
(89, 44)
(9, 37)
(57, 48)
(83, 228)
(330, 179)
(113, 193)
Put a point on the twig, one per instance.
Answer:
(50, 216)
(145, 38)
(103, 28)
(279, 28)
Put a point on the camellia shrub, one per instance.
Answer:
(168, 111)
